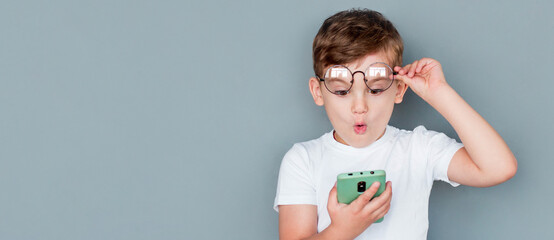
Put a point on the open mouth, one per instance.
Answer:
(360, 128)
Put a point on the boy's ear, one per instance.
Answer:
(400, 91)
(315, 89)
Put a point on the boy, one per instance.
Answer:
(352, 54)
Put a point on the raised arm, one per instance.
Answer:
(485, 160)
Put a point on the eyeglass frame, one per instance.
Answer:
(352, 81)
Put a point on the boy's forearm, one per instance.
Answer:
(330, 233)
(484, 145)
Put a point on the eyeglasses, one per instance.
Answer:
(378, 77)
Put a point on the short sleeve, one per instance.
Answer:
(440, 150)
(295, 184)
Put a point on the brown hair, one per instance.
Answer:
(350, 35)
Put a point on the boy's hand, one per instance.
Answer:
(354, 218)
(425, 77)
(485, 160)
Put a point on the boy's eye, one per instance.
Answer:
(375, 91)
(341, 92)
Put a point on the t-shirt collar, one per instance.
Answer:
(335, 144)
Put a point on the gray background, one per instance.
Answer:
(169, 119)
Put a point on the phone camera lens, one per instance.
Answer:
(372, 172)
(361, 186)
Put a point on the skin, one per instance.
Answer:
(484, 161)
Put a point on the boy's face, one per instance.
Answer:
(360, 117)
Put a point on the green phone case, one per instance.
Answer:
(351, 185)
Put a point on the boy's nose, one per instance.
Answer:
(359, 105)
(359, 91)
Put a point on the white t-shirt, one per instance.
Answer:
(412, 161)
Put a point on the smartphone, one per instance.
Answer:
(351, 185)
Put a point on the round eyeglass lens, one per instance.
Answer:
(379, 77)
(338, 80)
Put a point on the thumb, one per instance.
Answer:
(332, 202)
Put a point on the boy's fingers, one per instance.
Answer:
(364, 198)
(404, 69)
(387, 194)
(430, 65)
(411, 73)
(421, 64)
(403, 78)
(380, 208)
(399, 70)
(388, 190)
(381, 200)
(382, 211)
